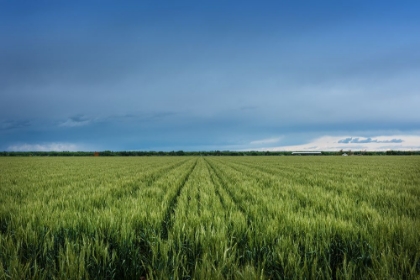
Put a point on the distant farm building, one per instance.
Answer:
(306, 153)
(344, 155)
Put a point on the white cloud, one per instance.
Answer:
(45, 147)
(266, 141)
(335, 143)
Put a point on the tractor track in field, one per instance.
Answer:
(216, 185)
(269, 172)
(156, 175)
(168, 220)
(130, 189)
(222, 184)
(159, 173)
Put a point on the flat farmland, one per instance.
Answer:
(273, 217)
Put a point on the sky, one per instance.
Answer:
(209, 75)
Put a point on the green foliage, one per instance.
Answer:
(210, 217)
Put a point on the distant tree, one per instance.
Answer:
(106, 153)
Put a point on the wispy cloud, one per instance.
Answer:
(248, 108)
(266, 141)
(75, 121)
(335, 143)
(13, 124)
(45, 147)
(139, 117)
(160, 116)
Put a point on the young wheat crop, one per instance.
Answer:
(210, 218)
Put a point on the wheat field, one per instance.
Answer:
(278, 217)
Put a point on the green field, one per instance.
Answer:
(210, 217)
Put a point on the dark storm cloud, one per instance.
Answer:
(194, 74)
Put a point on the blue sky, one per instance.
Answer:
(209, 75)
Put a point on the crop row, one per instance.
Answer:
(210, 217)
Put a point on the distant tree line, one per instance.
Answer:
(196, 153)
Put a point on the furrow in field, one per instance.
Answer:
(148, 179)
(233, 211)
(266, 217)
(168, 221)
(91, 177)
(276, 164)
(225, 195)
(204, 232)
(317, 174)
(293, 197)
(130, 185)
(126, 192)
(332, 190)
(257, 194)
(262, 241)
(115, 193)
